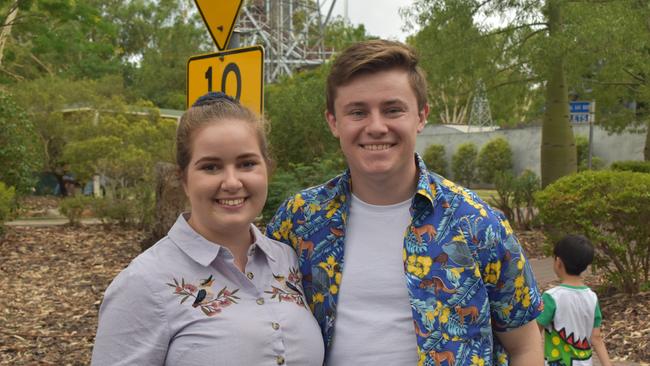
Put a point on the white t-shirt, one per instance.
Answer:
(374, 322)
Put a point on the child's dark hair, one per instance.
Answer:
(576, 252)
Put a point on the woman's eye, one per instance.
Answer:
(249, 164)
(210, 167)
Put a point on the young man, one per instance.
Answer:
(571, 317)
(400, 265)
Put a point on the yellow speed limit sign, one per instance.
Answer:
(238, 72)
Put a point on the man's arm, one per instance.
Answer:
(524, 345)
(598, 344)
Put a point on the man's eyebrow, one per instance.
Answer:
(354, 104)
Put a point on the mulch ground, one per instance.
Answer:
(52, 280)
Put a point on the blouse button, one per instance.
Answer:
(275, 326)
(250, 275)
(279, 360)
(260, 301)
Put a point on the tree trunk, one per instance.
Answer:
(558, 150)
(6, 28)
(170, 202)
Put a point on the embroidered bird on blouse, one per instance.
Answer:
(205, 293)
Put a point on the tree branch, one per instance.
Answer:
(15, 76)
(513, 28)
(41, 64)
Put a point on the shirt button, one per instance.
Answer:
(250, 275)
(260, 301)
(279, 360)
(275, 326)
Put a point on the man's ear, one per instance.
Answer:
(331, 122)
(423, 114)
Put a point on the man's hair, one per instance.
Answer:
(373, 56)
(576, 252)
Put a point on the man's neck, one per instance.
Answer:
(385, 190)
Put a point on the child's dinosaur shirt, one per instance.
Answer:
(570, 315)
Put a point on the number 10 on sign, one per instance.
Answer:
(238, 73)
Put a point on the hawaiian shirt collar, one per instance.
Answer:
(428, 186)
(203, 251)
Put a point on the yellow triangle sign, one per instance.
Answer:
(220, 17)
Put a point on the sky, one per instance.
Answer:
(380, 17)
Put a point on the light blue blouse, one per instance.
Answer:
(183, 302)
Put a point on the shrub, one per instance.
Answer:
(464, 164)
(73, 208)
(611, 209)
(516, 197)
(19, 146)
(526, 185)
(495, 156)
(434, 158)
(7, 203)
(134, 206)
(631, 166)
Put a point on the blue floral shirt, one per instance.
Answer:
(466, 273)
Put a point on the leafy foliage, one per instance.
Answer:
(582, 147)
(516, 197)
(611, 209)
(495, 157)
(434, 158)
(288, 181)
(298, 131)
(631, 166)
(19, 147)
(7, 203)
(73, 208)
(463, 164)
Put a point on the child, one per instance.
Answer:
(571, 316)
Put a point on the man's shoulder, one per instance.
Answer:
(462, 200)
(317, 194)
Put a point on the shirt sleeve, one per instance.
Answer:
(132, 328)
(514, 299)
(280, 224)
(598, 318)
(546, 317)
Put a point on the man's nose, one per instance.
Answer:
(376, 124)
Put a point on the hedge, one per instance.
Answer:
(610, 208)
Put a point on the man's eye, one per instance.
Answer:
(357, 113)
(394, 111)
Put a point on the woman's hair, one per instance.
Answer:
(214, 108)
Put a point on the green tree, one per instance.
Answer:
(537, 47)
(19, 147)
(298, 130)
(463, 164)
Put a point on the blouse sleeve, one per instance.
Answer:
(132, 328)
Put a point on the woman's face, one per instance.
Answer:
(226, 179)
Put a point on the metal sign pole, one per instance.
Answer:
(592, 117)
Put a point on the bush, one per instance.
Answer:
(434, 158)
(19, 147)
(74, 207)
(516, 197)
(611, 209)
(495, 156)
(463, 164)
(631, 166)
(7, 203)
(134, 206)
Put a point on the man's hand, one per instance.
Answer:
(524, 345)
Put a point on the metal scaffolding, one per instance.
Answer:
(480, 115)
(291, 31)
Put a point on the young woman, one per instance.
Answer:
(214, 291)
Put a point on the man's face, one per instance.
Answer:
(376, 120)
